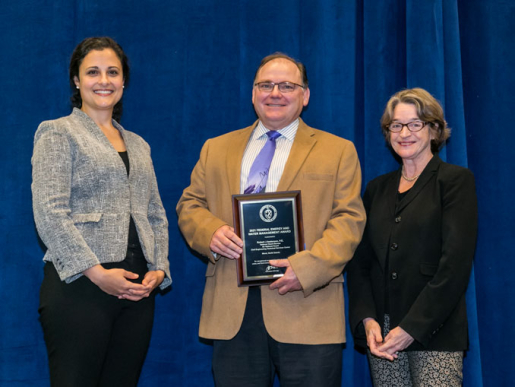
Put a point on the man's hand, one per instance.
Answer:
(289, 281)
(225, 242)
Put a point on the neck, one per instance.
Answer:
(278, 127)
(412, 168)
(103, 118)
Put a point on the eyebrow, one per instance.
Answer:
(268, 81)
(96, 67)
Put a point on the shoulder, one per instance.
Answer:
(453, 178)
(230, 140)
(77, 124)
(231, 136)
(325, 137)
(451, 171)
(380, 186)
(326, 145)
(60, 126)
(381, 180)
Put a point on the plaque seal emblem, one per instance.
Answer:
(268, 213)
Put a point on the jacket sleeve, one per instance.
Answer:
(459, 230)
(196, 222)
(159, 223)
(326, 259)
(52, 169)
(359, 282)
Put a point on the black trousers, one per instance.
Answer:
(253, 357)
(93, 338)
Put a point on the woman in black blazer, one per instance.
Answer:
(409, 275)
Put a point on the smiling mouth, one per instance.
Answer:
(274, 105)
(103, 92)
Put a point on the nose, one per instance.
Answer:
(275, 91)
(104, 78)
(405, 132)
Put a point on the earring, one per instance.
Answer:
(77, 87)
(123, 86)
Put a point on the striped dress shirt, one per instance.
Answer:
(256, 142)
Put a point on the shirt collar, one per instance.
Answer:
(287, 132)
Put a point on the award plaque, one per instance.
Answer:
(270, 225)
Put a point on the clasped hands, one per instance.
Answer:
(396, 340)
(116, 282)
(226, 243)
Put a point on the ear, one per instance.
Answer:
(253, 94)
(306, 97)
(434, 130)
(76, 81)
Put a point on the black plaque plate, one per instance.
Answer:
(270, 225)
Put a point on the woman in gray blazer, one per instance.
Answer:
(409, 275)
(98, 211)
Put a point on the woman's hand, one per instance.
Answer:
(397, 340)
(151, 280)
(374, 338)
(115, 282)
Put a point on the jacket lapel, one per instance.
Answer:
(133, 152)
(302, 145)
(90, 125)
(235, 157)
(92, 128)
(391, 190)
(424, 178)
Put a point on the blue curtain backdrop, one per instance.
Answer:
(192, 68)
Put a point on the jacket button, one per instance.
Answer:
(394, 246)
(397, 219)
(394, 275)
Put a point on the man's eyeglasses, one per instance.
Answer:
(414, 126)
(284, 87)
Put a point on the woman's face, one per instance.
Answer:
(415, 146)
(100, 81)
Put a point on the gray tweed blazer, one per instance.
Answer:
(83, 199)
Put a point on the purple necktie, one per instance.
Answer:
(258, 174)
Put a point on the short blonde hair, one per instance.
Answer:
(428, 110)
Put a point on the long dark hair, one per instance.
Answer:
(78, 55)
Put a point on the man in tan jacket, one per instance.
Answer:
(295, 326)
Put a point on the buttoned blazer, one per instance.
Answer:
(83, 198)
(325, 168)
(429, 238)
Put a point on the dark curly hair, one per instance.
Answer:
(78, 55)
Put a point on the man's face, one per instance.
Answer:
(275, 109)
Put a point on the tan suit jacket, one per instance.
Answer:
(326, 170)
